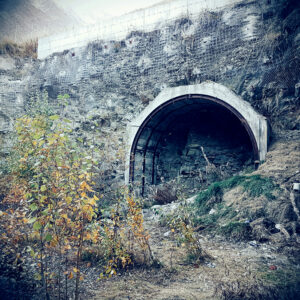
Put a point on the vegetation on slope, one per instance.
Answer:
(27, 49)
(50, 217)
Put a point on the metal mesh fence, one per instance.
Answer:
(181, 42)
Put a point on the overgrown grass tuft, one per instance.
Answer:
(288, 278)
(254, 185)
(27, 49)
(208, 198)
(266, 284)
(236, 230)
(210, 220)
(215, 191)
(257, 185)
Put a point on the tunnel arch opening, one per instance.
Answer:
(176, 136)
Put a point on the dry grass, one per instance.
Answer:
(166, 193)
(4, 186)
(27, 49)
(272, 36)
(258, 288)
(249, 279)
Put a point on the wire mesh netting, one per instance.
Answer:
(178, 43)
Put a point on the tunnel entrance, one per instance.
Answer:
(180, 137)
(197, 136)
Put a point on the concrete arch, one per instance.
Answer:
(143, 133)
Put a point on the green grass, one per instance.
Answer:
(254, 185)
(215, 190)
(234, 220)
(286, 279)
(202, 199)
(257, 185)
(227, 212)
(222, 211)
(281, 276)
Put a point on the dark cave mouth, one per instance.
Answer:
(181, 139)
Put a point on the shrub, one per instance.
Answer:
(52, 212)
(27, 49)
(55, 202)
(184, 232)
(236, 230)
(166, 193)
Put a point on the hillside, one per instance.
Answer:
(22, 20)
(208, 213)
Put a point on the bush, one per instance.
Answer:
(52, 207)
(27, 49)
(236, 230)
(166, 193)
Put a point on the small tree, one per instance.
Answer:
(56, 172)
(56, 204)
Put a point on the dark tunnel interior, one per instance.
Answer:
(184, 138)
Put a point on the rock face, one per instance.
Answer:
(227, 147)
(251, 47)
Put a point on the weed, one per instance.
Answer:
(209, 221)
(27, 49)
(283, 278)
(238, 290)
(253, 214)
(257, 185)
(94, 256)
(236, 230)
(254, 185)
(265, 285)
(227, 212)
(208, 198)
(165, 194)
(248, 169)
(183, 231)
(201, 216)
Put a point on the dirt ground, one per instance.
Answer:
(231, 265)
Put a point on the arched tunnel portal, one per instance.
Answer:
(178, 134)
